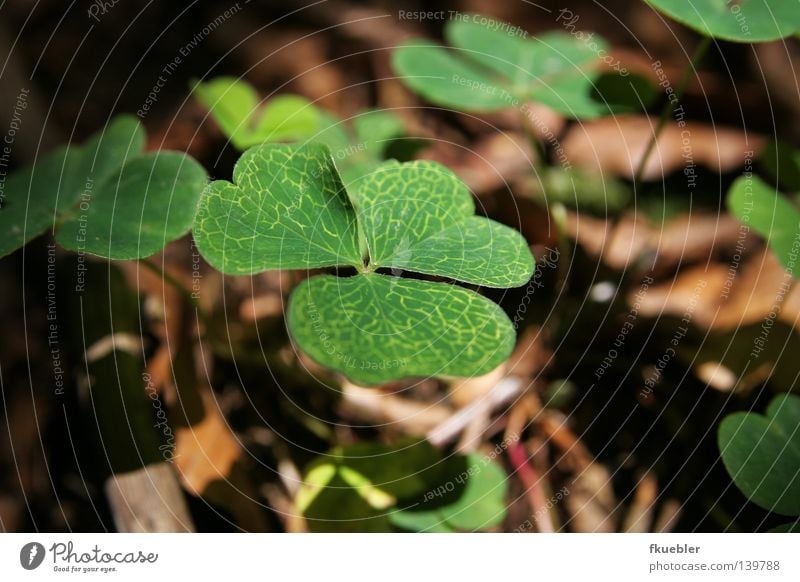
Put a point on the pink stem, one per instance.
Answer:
(532, 482)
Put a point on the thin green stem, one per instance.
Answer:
(537, 147)
(177, 285)
(557, 210)
(669, 107)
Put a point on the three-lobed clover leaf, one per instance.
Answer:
(775, 217)
(287, 208)
(246, 121)
(107, 197)
(739, 21)
(490, 66)
(408, 486)
(762, 454)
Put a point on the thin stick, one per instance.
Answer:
(669, 107)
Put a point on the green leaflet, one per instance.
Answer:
(374, 328)
(108, 197)
(419, 216)
(34, 197)
(740, 21)
(492, 67)
(287, 209)
(762, 454)
(407, 486)
(136, 211)
(237, 108)
(757, 205)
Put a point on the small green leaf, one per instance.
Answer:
(134, 212)
(492, 66)
(419, 216)
(587, 191)
(287, 209)
(762, 454)
(473, 491)
(738, 21)
(757, 205)
(359, 146)
(236, 107)
(352, 488)
(34, 198)
(370, 487)
(374, 329)
(376, 128)
(442, 77)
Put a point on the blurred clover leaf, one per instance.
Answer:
(246, 121)
(106, 197)
(740, 21)
(491, 65)
(408, 486)
(287, 208)
(775, 217)
(762, 455)
(358, 145)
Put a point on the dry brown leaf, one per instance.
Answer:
(589, 145)
(404, 414)
(591, 501)
(491, 164)
(685, 238)
(640, 513)
(467, 390)
(207, 450)
(730, 298)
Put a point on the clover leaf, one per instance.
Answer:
(740, 21)
(237, 108)
(288, 209)
(492, 66)
(472, 492)
(762, 454)
(358, 145)
(407, 486)
(757, 205)
(106, 198)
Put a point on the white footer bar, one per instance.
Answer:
(400, 557)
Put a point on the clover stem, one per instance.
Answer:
(537, 147)
(177, 285)
(558, 213)
(669, 106)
